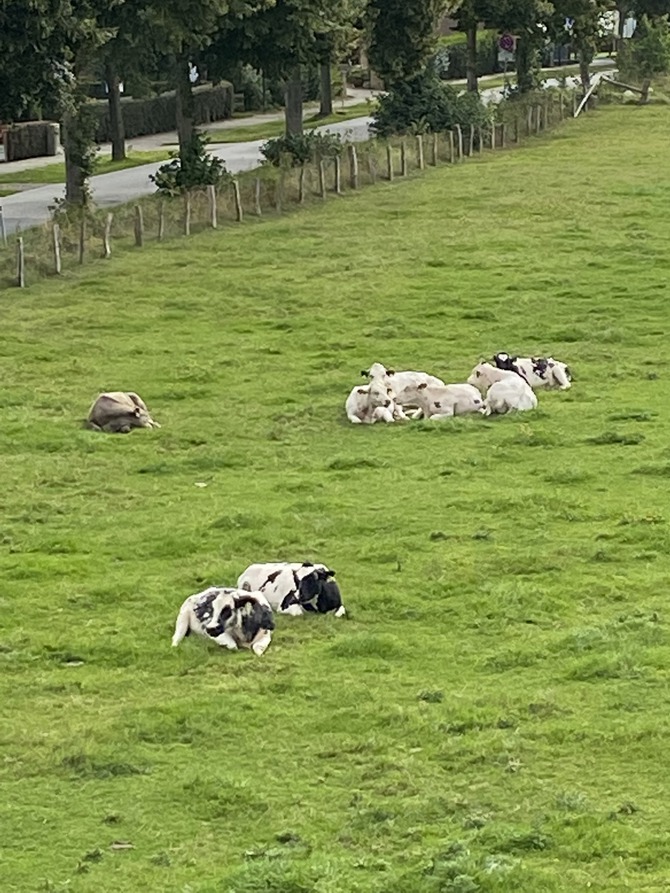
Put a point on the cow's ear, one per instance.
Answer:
(307, 564)
(136, 412)
(422, 386)
(364, 373)
(361, 391)
(390, 371)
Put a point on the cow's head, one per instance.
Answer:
(251, 616)
(504, 361)
(318, 592)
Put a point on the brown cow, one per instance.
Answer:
(117, 412)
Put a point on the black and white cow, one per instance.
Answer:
(539, 372)
(293, 588)
(233, 618)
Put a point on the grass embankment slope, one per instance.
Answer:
(493, 713)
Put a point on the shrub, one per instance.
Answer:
(425, 104)
(197, 168)
(158, 115)
(452, 55)
(301, 147)
(647, 54)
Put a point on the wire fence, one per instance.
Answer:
(76, 237)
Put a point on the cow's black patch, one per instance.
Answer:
(203, 609)
(505, 361)
(308, 588)
(289, 599)
(255, 617)
(329, 598)
(540, 366)
(222, 622)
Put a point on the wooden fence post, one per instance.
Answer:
(82, 238)
(257, 198)
(459, 141)
(20, 263)
(106, 237)
(3, 232)
(403, 159)
(389, 162)
(139, 227)
(471, 141)
(529, 121)
(301, 184)
(372, 167)
(503, 135)
(419, 152)
(279, 191)
(161, 220)
(353, 166)
(211, 194)
(322, 178)
(451, 147)
(56, 243)
(337, 175)
(493, 137)
(434, 150)
(545, 115)
(538, 118)
(187, 214)
(239, 214)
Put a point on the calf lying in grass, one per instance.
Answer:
(233, 618)
(293, 588)
(118, 412)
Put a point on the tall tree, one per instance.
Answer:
(580, 19)
(182, 29)
(403, 34)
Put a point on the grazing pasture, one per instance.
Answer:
(492, 713)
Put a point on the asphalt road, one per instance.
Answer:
(31, 207)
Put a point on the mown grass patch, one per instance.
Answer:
(55, 173)
(489, 716)
(269, 129)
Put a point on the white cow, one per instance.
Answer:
(506, 396)
(374, 402)
(539, 372)
(398, 381)
(294, 588)
(504, 390)
(233, 618)
(441, 401)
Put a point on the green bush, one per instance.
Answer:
(197, 168)
(425, 105)
(452, 55)
(158, 115)
(300, 148)
(647, 54)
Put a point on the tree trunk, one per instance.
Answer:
(471, 56)
(584, 71)
(184, 95)
(524, 64)
(75, 178)
(115, 113)
(325, 89)
(293, 103)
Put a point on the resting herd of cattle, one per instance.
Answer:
(242, 616)
(506, 384)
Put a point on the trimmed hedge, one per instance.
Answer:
(142, 117)
(31, 140)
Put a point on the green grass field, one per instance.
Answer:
(55, 173)
(491, 714)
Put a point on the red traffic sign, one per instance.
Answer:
(507, 42)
